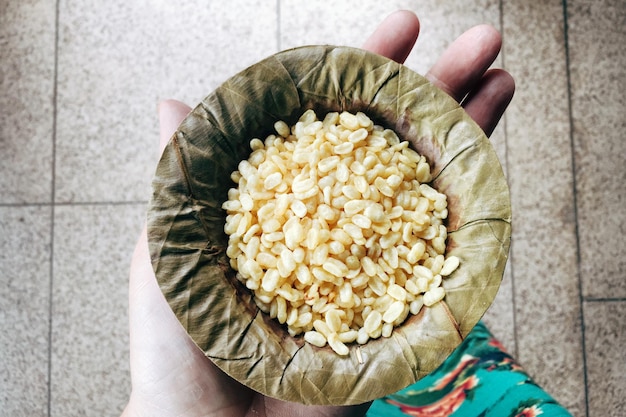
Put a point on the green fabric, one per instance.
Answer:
(478, 379)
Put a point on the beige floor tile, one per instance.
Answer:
(598, 82)
(605, 337)
(203, 45)
(117, 59)
(540, 175)
(500, 318)
(108, 63)
(24, 310)
(92, 249)
(27, 31)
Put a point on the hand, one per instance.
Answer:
(170, 375)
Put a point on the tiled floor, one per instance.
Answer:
(79, 83)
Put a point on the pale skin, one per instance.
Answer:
(170, 375)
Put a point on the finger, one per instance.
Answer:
(490, 98)
(395, 36)
(463, 64)
(171, 113)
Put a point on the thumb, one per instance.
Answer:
(171, 113)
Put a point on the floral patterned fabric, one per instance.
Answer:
(478, 379)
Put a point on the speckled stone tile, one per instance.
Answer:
(118, 59)
(499, 318)
(351, 22)
(202, 45)
(92, 250)
(27, 33)
(598, 82)
(605, 337)
(544, 254)
(24, 310)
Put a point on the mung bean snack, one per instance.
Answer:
(328, 226)
(335, 230)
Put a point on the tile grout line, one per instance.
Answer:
(506, 159)
(604, 299)
(52, 199)
(575, 200)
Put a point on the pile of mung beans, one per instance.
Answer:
(335, 230)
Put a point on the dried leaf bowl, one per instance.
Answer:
(187, 241)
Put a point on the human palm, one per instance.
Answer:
(170, 375)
